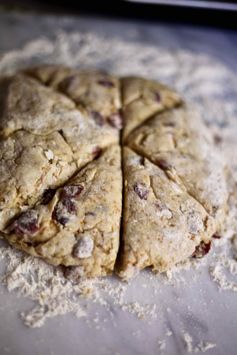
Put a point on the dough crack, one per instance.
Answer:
(64, 195)
(171, 175)
(157, 112)
(47, 84)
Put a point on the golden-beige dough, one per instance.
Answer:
(54, 136)
(142, 99)
(174, 191)
(79, 224)
(162, 223)
(30, 164)
(61, 174)
(179, 143)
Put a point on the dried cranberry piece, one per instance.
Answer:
(201, 250)
(61, 219)
(157, 96)
(27, 223)
(72, 191)
(96, 151)
(90, 214)
(68, 81)
(115, 120)
(106, 83)
(217, 139)
(69, 205)
(158, 205)
(63, 210)
(141, 190)
(216, 236)
(169, 124)
(163, 164)
(98, 118)
(47, 196)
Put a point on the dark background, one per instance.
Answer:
(125, 9)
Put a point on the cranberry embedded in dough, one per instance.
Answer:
(141, 190)
(72, 191)
(27, 223)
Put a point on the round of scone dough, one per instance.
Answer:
(62, 131)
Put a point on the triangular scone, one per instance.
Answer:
(162, 223)
(94, 90)
(49, 74)
(142, 99)
(80, 225)
(26, 104)
(179, 143)
(30, 164)
(45, 138)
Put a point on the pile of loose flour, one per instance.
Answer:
(202, 80)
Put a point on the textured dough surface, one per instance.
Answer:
(30, 164)
(178, 140)
(61, 175)
(80, 225)
(142, 99)
(162, 223)
(174, 191)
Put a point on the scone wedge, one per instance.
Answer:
(45, 137)
(162, 223)
(175, 192)
(141, 99)
(78, 224)
(180, 144)
(29, 165)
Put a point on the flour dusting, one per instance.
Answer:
(203, 346)
(200, 79)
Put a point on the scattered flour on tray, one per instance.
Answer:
(202, 80)
(202, 346)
